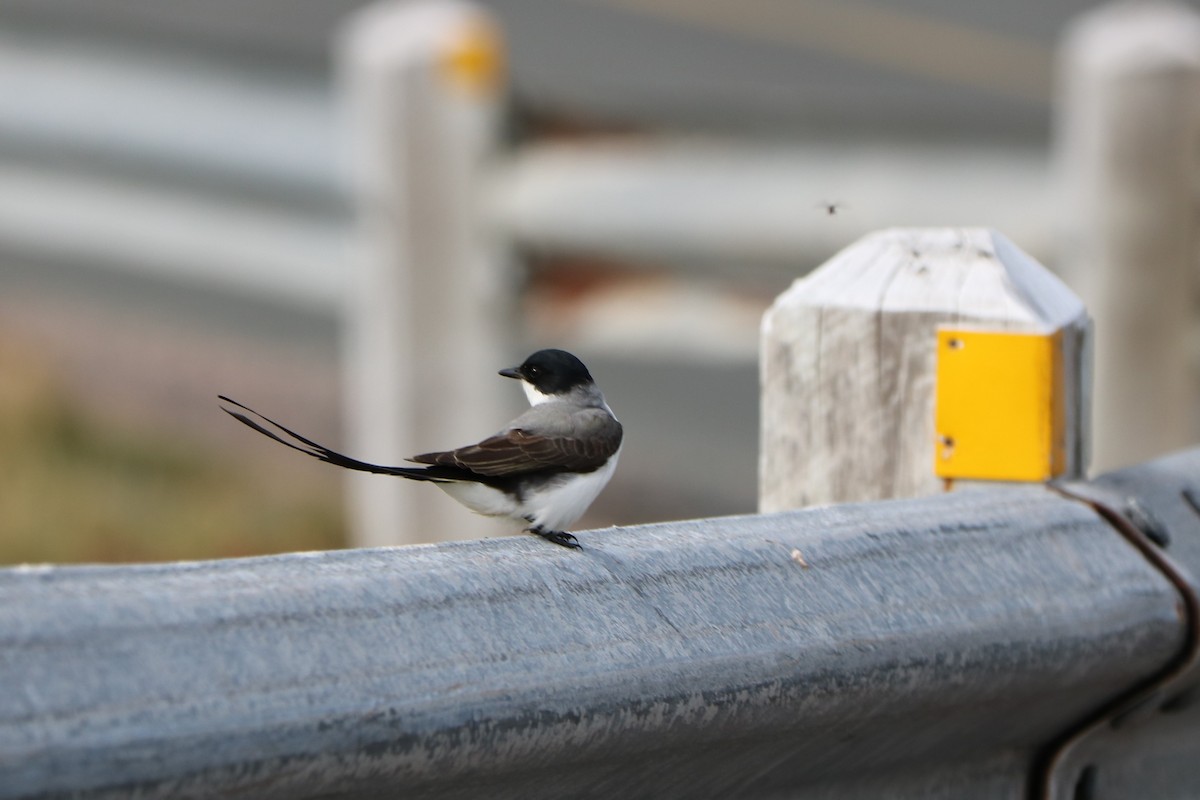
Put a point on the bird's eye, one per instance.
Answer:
(534, 371)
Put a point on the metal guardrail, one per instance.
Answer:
(732, 206)
(939, 647)
(232, 173)
(193, 170)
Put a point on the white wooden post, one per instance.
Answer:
(428, 319)
(1128, 149)
(850, 359)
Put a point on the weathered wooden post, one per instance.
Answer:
(1128, 151)
(917, 357)
(428, 316)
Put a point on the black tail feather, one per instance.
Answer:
(317, 451)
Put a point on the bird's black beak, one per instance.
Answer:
(511, 372)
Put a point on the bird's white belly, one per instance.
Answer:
(557, 506)
(482, 499)
(551, 508)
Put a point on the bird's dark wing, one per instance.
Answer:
(308, 446)
(518, 450)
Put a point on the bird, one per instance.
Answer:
(543, 470)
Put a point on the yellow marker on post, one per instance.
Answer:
(1000, 411)
(474, 59)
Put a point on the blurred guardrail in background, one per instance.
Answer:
(283, 179)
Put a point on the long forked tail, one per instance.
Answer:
(311, 448)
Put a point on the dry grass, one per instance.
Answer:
(75, 489)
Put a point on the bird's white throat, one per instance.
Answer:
(536, 398)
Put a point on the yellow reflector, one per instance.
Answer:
(999, 411)
(474, 59)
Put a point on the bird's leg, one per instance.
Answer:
(558, 537)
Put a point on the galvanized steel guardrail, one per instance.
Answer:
(985, 643)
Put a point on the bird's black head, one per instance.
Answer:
(551, 372)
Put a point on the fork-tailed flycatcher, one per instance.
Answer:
(543, 470)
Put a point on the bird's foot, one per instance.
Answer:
(558, 537)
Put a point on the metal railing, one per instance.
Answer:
(949, 646)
